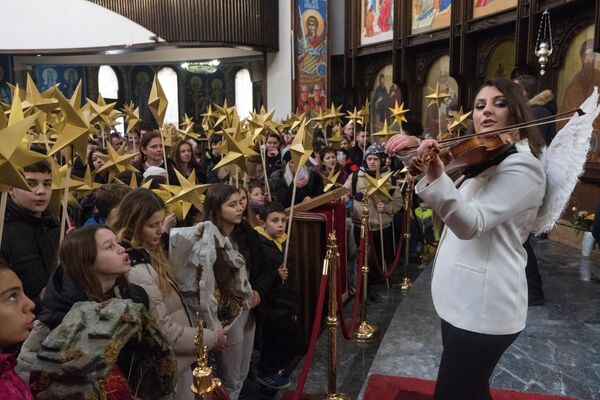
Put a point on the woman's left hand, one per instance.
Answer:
(428, 161)
(380, 207)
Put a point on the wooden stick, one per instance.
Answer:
(3, 203)
(237, 177)
(162, 141)
(290, 220)
(65, 202)
(383, 263)
(263, 157)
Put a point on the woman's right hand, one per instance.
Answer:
(221, 340)
(400, 142)
(301, 181)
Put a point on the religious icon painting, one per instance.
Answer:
(141, 78)
(377, 21)
(430, 15)
(501, 61)
(577, 77)
(482, 8)
(67, 77)
(435, 117)
(311, 56)
(5, 78)
(384, 94)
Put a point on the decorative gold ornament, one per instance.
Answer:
(437, 97)
(132, 116)
(188, 191)
(459, 121)
(385, 133)
(158, 102)
(379, 184)
(118, 161)
(301, 146)
(398, 113)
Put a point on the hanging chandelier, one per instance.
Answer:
(543, 43)
(204, 67)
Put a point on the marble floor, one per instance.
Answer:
(558, 353)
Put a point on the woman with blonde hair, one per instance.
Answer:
(138, 223)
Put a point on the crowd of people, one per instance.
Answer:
(225, 263)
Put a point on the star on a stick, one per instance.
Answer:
(379, 184)
(330, 180)
(334, 116)
(459, 120)
(237, 153)
(398, 113)
(13, 153)
(132, 116)
(355, 117)
(117, 162)
(385, 133)
(74, 131)
(301, 146)
(189, 191)
(158, 102)
(437, 96)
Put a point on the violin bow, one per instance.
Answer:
(529, 124)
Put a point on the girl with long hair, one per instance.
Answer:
(138, 222)
(93, 268)
(479, 287)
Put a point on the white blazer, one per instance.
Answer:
(479, 279)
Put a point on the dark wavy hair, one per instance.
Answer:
(518, 110)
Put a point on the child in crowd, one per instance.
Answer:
(428, 234)
(93, 269)
(139, 225)
(256, 196)
(106, 198)
(30, 235)
(16, 314)
(282, 340)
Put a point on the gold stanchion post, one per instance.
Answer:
(331, 264)
(365, 332)
(405, 283)
(204, 385)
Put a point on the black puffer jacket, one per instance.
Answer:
(30, 248)
(62, 293)
(283, 192)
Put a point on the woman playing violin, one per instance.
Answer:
(479, 287)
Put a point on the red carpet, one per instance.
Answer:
(385, 387)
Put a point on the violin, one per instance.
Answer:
(470, 155)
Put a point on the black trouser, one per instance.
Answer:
(281, 342)
(535, 285)
(468, 361)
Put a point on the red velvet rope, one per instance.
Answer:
(349, 332)
(396, 257)
(308, 360)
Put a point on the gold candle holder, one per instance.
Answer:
(204, 385)
(331, 266)
(365, 332)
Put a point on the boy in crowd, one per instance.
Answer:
(31, 234)
(106, 198)
(282, 340)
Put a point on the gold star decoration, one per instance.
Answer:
(320, 121)
(334, 116)
(158, 102)
(437, 96)
(336, 135)
(60, 185)
(225, 115)
(398, 113)
(179, 208)
(355, 117)
(385, 133)
(75, 99)
(301, 146)
(13, 153)
(132, 116)
(262, 123)
(189, 191)
(117, 162)
(330, 180)
(237, 153)
(459, 120)
(88, 184)
(101, 113)
(379, 184)
(74, 132)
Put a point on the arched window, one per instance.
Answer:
(108, 87)
(243, 93)
(108, 84)
(168, 80)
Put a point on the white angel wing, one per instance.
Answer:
(563, 162)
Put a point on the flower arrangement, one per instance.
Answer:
(582, 220)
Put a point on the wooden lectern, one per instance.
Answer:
(313, 221)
